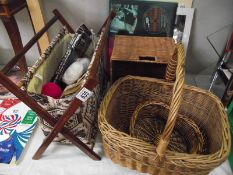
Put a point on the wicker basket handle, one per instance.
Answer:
(175, 102)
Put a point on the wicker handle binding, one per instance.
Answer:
(171, 68)
(175, 102)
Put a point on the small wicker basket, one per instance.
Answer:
(194, 104)
(148, 122)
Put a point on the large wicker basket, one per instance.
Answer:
(200, 106)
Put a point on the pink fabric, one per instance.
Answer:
(52, 90)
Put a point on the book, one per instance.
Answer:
(143, 18)
(17, 122)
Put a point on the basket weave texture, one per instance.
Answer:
(196, 105)
(131, 48)
(148, 122)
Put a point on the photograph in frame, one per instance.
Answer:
(143, 18)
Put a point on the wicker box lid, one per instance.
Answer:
(143, 49)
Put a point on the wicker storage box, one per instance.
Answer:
(141, 56)
(199, 106)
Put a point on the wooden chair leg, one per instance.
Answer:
(34, 30)
(14, 35)
(24, 97)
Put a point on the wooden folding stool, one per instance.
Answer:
(89, 83)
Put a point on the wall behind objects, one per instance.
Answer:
(210, 16)
(91, 12)
(26, 31)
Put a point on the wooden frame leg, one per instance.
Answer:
(14, 35)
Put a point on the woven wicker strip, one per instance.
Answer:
(171, 68)
(200, 106)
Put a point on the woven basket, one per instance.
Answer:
(198, 105)
(148, 122)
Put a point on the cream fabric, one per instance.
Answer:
(46, 71)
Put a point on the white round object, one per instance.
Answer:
(75, 70)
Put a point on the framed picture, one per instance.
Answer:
(137, 17)
(183, 25)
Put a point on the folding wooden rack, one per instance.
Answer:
(58, 126)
